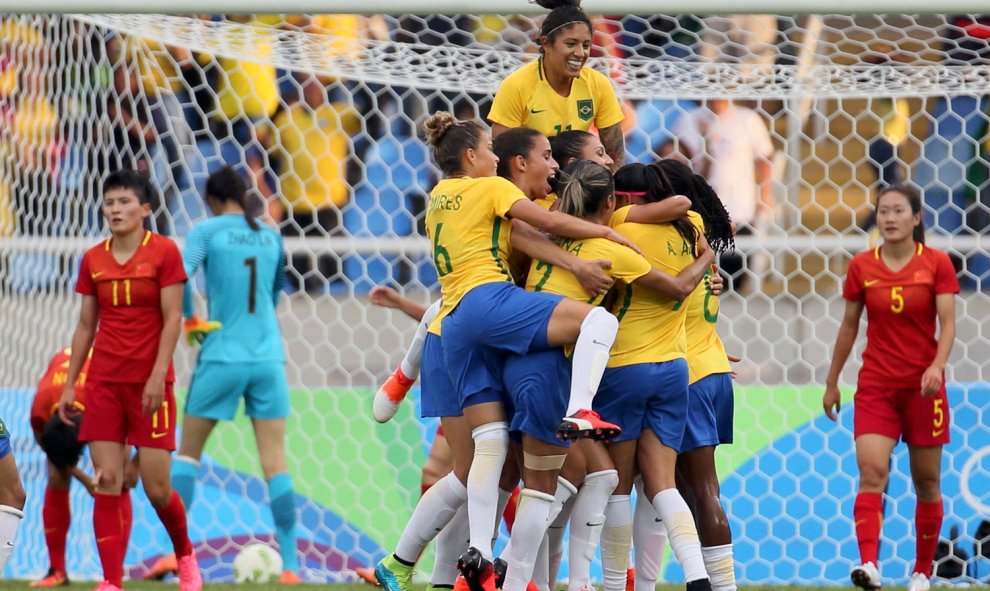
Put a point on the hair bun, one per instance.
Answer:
(437, 125)
(552, 4)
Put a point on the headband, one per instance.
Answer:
(631, 193)
(567, 24)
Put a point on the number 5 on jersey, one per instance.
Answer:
(441, 258)
(897, 305)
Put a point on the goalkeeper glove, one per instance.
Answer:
(196, 329)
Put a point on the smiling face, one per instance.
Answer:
(568, 52)
(895, 219)
(124, 212)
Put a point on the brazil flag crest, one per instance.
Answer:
(586, 109)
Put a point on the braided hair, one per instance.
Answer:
(704, 201)
(653, 182)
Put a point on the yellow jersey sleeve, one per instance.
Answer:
(509, 105)
(651, 326)
(466, 224)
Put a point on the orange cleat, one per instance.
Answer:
(54, 578)
(532, 587)
(587, 424)
(289, 577)
(460, 584)
(367, 575)
(631, 579)
(165, 565)
(390, 395)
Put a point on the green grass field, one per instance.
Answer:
(158, 586)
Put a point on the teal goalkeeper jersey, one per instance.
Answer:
(245, 270)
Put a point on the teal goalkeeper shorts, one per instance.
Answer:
(217, 388)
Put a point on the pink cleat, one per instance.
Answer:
(189, 577)
(107, 586)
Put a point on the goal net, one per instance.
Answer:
(321, 114)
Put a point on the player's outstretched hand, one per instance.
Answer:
(931, 381)
(593, 277)
(67, 408)
(384, 296)
(196, 329)
(832, 402)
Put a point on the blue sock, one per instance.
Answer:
(184, 479)
(283, 498)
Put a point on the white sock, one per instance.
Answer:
(720, 566)
(649, 537)
(590, 356)
(411, 362)
(555, 537)
(532, 520)
(9, 520)
(541, 570)
(452, 541)
(616, 541)
(491, 443)
(587, 520)
(434, 510)
(681, 533)
(503, 502)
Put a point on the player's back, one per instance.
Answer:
(243, 270)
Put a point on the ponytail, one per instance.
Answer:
(652, 181)
(583, 188)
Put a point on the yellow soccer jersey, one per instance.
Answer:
(705, 353)
(651, 326)
(526, 99)
(627, 266)
(547, 202)
(466, 224)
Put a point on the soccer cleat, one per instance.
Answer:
(393, 575)
(499, 567)
(390, 396)
(189, 577)
(163, 566)
(289, 577)
(196, 329)
(866, 576)
(587, 424)
(477, 570)
(367, 575)
(919, 582)
(54, 578)
(107, 586)
(460, 584)
(631, 579)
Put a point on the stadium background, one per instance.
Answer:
(788, 481)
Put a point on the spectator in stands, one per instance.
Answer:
(958, 127)
(730, 146)
(310, 140)
(746, 39)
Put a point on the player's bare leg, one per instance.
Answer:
(698, 481)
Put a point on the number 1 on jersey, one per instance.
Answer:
(252, 264)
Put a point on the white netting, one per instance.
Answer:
(83, 95)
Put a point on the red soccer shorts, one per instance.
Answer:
(113, 413)
(902, 413)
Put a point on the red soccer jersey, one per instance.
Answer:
(900, 312)
(50, 388)
(130, 311)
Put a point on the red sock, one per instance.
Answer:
(106, 526)
(56, 515)
(868, 514)
(173, 516)
(509, 515)
(126, 519)
(928, 523)
(423, 487)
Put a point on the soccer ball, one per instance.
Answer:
(257, 563)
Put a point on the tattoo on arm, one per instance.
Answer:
(614, 143)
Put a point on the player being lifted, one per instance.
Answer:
(131, 315)
(905, 286)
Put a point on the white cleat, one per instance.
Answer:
(866, 576)
(919, 582)
(390, 396)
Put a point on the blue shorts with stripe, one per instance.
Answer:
(539, 386)
(710, 411)
(4, 440)
(491, 320)
(217, 388)
(438, 397)
(650, 396)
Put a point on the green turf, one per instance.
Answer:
(7, 585)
